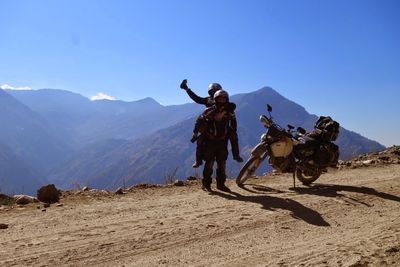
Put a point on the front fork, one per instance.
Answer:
(260, 150)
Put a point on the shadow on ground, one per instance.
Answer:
(329, 190)
(271, 203)
(260, 189)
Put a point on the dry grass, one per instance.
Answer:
(6, 200)
(170, 177)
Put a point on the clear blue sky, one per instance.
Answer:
(339, 58)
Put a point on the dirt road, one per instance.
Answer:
(348, 218)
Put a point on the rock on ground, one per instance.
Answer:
(24, 199)
(48, 194)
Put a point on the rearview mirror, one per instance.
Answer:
(269, 108)
(290, 127)
(265, 121)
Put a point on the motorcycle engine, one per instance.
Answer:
(281, 164)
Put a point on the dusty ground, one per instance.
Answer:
(348, 218)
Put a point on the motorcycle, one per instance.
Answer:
(305, 155)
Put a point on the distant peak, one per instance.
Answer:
(147, 100)
(263, 92)
(267, 89)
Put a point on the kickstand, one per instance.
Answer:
(294, 179)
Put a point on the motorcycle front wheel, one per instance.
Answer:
(308, 177)
(248, 169)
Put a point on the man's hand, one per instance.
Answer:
(184, 85)
(194, 137)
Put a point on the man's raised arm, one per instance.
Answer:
(193, 96)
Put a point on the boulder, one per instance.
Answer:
(191, 178)
(85, 188)
(143, 186)
(384, 158)
(48, 194)
(368, 162)
(396, 152)
(24, 199)
(6, 200)
(179, 183)
(119, 191)
(4, 197)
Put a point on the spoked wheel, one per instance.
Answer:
(248, 169)
(308, 177)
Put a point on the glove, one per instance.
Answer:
(184, 85)
(194, 137)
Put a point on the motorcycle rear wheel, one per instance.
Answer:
(248, 169)
(307, 179)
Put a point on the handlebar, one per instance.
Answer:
(268, 122)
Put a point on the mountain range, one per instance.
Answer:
(62, 137)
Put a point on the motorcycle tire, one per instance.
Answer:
(248, 169)
(307, 179)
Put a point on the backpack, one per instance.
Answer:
(327, 128)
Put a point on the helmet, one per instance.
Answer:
(221, 93)
(214, 87)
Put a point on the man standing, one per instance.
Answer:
(210, 102)
(219, 120)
